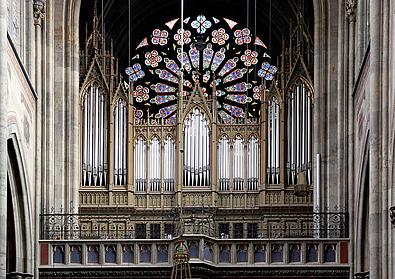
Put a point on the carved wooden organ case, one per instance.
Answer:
(238, 137)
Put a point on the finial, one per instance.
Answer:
(95, 17)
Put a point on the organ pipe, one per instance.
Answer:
(95, 128)
(120, 143)
(196, 150)
(238, 164)
(273, 142)
(299, 108)
(253, 164)
(223, 164)
(169, 167)
(155, 175)
(140, 165)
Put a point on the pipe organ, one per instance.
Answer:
(229, 139)
(94, 164)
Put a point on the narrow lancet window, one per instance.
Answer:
(196, 149)
(120, 142)
(95, 129)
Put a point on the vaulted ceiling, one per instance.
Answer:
(271, 18)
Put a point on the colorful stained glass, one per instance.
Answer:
(171, 23)
(166, 111)
(162, 99)
(257, 92)
(141, 93)
(194, 55)
(219, 36)
(206, 76)
(249, 58)
(238, 98)
(236, 74)
(135, 72)
(229, 65)
(201, 24)
(230, 23)
(239, 87)
(172, 65)
(187, 83)
(267, 71)
(226, 118)
(220, 93)
(159, 37)
(184, 60)
(218, 58)
(166, 75)
(216, 20)
(138, 113)
(259, 42)
(243, 36)
(162, 88)
(172, 120)
(207, 56)
(236, 111)
(143, 43)
(178, 37)
(152, 59)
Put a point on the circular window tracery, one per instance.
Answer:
(218, 52)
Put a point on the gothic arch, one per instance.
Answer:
(19, 219)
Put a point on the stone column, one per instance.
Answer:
(38, 14)
(3, 137)
(377, 229)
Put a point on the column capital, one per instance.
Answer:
(38, 11)
(350, 10)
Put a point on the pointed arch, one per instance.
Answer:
(19, 217)
(238, 163)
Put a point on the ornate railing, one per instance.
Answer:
(58, 226)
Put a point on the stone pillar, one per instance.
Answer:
(3, 137)
(378, 96)
(38, 14)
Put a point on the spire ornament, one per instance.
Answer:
(38, 11)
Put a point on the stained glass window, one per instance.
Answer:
(219, 52)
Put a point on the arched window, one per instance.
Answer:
(95, 129)
(155, 149)
(252, 164)
(299, 133)
(273, 142)
(196, 149)
(223, 164)
(120, 142)
(140, 161)
(238, 164)
(169, 164)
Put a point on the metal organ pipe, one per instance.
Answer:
(94, 165)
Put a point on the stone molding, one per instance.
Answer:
(392, 215)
